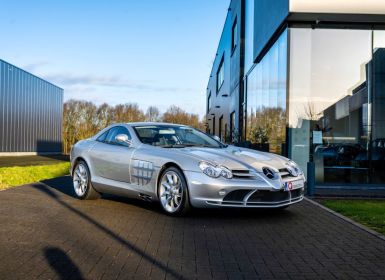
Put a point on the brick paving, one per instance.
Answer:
(45, 233)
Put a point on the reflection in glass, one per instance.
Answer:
(266, 100)
(335, 88)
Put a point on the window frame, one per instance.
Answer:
(234, 35)
(105, 133)
(221, 70)
(209, 102)
(117, 143)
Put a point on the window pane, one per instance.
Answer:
(266, 100)
(328, 99)
(220, 75)
(376, 116)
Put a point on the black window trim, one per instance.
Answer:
(104, 133)
(221, 65)
(209, 103)
(234, 41)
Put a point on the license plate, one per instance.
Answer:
(292, 185)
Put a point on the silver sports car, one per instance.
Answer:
(181, 167)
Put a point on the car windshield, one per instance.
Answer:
(175, 137)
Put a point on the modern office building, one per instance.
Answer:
(304, 79)
(30, 113)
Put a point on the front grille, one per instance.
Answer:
(237, 195)
(268, 196)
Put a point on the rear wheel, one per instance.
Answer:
(81, 178)
(173, 192)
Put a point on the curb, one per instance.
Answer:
(346, 219)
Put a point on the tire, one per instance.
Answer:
(81, 178)
(173, 192)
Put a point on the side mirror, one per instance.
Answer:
(123, 138)
(217, 138)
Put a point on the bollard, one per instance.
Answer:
(310, 178)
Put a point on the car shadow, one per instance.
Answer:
(64, 185)
(62, 264)
(48, 190)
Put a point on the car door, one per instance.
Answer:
(111, 159)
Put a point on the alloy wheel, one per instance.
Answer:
(171, 191)
(80, 180)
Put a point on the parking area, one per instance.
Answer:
(46, 233)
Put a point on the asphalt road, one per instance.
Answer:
(46, 233)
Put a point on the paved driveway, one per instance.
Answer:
(46, 233)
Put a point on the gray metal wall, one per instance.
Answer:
(30, 112)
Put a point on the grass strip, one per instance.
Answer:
(21, 175)
(370, 213)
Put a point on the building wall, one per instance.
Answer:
(30, 112)
(268, 17)
(332, 6)
(228, 98)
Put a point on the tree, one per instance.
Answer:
(83, 119)
(174, 114)
(78, 122)
(152, 114)
(104, 116)
(128, 112)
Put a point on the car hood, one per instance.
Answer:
(236, 158)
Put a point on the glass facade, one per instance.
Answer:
(323, 92)
(249, 34)
(30, 112)
(266, 99)
(336, 92)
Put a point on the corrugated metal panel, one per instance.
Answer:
(30, 112)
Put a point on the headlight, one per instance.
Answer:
(215, 171)
(294, 168)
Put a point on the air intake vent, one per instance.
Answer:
(236, 196)
(244, 173)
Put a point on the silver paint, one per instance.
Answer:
(135, 171)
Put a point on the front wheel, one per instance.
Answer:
(81, 178)
(173, 192)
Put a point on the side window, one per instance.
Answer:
(102, 137)
(110, 139)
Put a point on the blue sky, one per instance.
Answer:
(150, 52)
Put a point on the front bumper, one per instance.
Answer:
(206, 192)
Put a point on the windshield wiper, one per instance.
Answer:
(202, 145)
(173, 146)
(192, 145)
